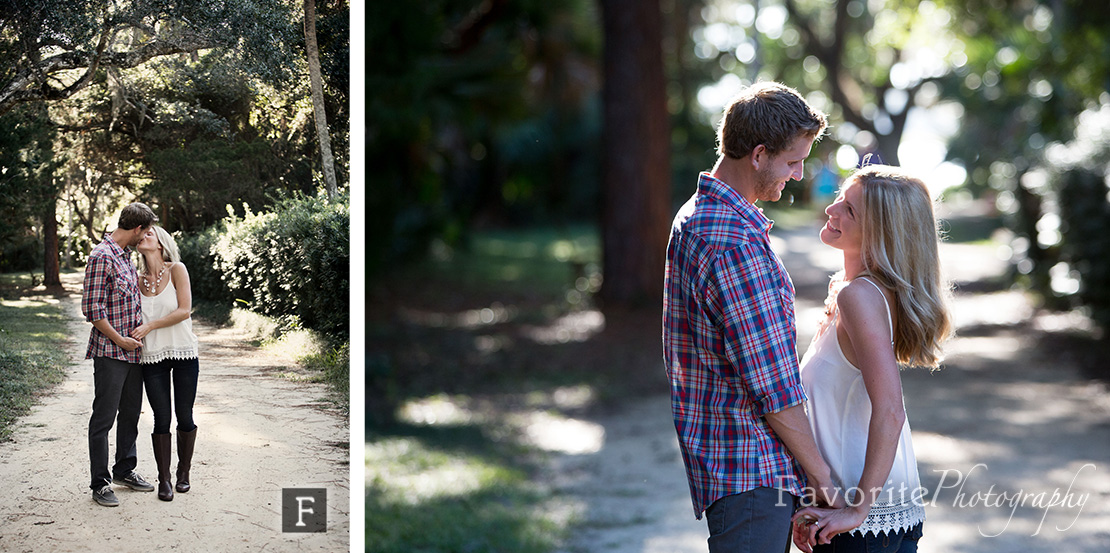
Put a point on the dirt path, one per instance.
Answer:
(1008, 424)
(257, 435)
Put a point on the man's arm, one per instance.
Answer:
(125, 342)
(792, 427)
(761, 342)
(94, 297)
(94, 290)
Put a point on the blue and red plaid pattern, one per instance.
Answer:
(111, 291)
(729, 345)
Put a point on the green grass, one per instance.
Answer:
(462, 326)
(32, 330)
(453, 488)
(544, 260)
(319, 359)
(333, 367)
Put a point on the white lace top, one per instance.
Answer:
(839, 413)
(172, 342)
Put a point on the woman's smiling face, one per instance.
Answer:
(843, 229)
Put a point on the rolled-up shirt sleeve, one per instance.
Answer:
(754, 310)
(94, 299)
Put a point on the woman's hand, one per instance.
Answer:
(813, 525)
(141, 331)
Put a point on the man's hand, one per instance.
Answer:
(129, 344)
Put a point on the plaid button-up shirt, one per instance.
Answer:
(111, 292)
(729, 345)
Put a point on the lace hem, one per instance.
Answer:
(172, 353)
(891, 518)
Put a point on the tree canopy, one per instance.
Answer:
(54, 48)
(192, 106)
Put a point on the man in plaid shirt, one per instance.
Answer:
(729, 341)
(110, 301)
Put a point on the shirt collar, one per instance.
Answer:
(114, 247)
(717, 189)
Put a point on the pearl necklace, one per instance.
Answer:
(151, 287)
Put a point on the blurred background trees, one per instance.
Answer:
(498, 114)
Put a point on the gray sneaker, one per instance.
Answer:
(105, 496)
(135, 482)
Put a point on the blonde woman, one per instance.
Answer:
(169, 354)
(885, 309)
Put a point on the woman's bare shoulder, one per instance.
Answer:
(861, 300)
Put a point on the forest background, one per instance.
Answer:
(524, 160)
(230, 119)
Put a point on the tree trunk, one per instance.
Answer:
(51, 269)
(636, 187)
(317, 85)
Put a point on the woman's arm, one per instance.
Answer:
(180, 277)
(863, 320)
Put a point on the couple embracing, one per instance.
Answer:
(142, 334)
(819, 451)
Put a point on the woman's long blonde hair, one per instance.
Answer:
(900, 251)
(169, 248)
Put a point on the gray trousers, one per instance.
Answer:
(756, 521)
(118, 389)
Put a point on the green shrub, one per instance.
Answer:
(1085, 210)
(22, 254)
(291, 263)
(204, 275)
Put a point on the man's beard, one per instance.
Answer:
(766, 187)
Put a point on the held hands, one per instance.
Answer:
(140, 332)
(813, 525)
(129, 344)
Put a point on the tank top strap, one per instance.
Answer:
(889, 320)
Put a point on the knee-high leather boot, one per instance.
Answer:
(185, 442)
(162, 449)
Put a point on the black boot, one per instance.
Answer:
(185, 442)
(162, 459)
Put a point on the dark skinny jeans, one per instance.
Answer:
(184, 374)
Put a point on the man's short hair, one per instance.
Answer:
(136, 215)
(767, 113)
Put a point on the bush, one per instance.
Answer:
(198, 255)
(1078, 191)
(291, 263)
(1086, 246)
(23, 254)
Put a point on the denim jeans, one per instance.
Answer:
(756, 521)
(118, 397)
(184, 374)
(903, 541)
